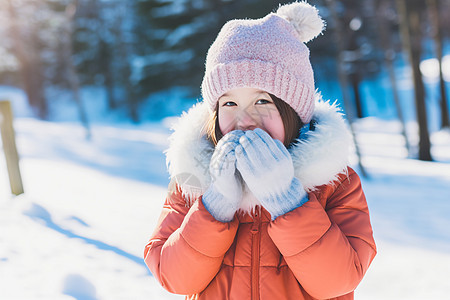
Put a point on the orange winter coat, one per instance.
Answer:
(320, 250)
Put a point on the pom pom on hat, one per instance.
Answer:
(305, 19)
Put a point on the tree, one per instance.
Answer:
(72, 75)
(104, 43)
(342, 76)
(359, 55)
(410, 22)
(433, 6)
(27, 47)
(386, 23)
(178, 35)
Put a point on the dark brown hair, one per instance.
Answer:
(213, 130)
(291, 122)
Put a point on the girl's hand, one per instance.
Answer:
(266, 166)
(223, 196)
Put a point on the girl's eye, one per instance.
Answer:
(229, 103)
(263, 101)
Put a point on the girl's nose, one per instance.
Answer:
(246, 120)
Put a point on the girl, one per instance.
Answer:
(262, 204)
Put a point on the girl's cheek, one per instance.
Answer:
(226, 122)
(274, 126)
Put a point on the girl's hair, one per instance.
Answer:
(291, 123)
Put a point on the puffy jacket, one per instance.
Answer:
(320, 250)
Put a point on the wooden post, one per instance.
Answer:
(9, 147)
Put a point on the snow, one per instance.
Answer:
(89, 208)
(78, 230)
(409, 205)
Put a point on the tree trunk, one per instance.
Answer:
(74, 81)
(355, 80)
(105, 68)
(389, 55)
(125, 54)
(410, 26)
(437, 36)
(343, 80)
(105, 51)
(30, 63)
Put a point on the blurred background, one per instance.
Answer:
(136, 53)
(95, 85)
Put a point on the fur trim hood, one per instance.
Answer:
(319, 155)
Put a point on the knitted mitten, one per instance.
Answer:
(223, 196)
(266, 166)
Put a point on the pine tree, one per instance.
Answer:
(178, 34)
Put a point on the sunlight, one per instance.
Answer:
(430, 68)
(8, 62)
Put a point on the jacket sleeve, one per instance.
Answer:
(187, 247)
(328, 249)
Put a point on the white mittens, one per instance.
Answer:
(223, 196)
(266, 166)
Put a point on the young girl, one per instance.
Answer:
(262, 204)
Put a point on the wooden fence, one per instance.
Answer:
(9, 147)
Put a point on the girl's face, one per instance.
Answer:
(247, 109)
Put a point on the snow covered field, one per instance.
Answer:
(79, 230)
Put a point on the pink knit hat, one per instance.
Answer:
(268, 54)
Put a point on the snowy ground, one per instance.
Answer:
(79, 230)
(89, 207)
(410, 211)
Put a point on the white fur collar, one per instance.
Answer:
(319, 156)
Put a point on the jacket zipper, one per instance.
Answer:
(256, 241)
